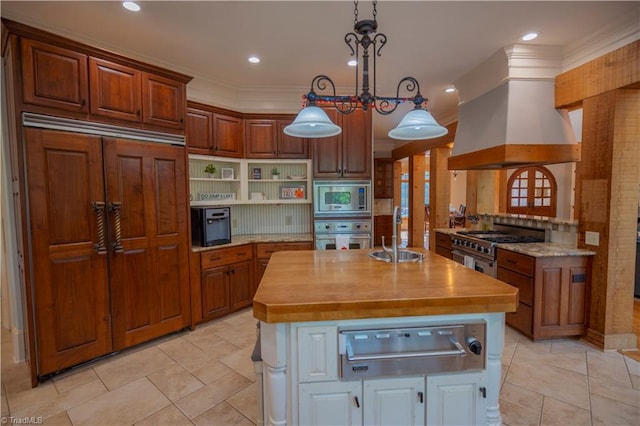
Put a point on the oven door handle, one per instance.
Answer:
(459, 351)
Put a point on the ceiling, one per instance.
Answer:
(435, 42)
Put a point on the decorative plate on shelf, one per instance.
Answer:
(296, 177)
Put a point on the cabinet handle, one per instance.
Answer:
(244, 253)
(355, 399)
(421, 397)
(83, 103)
(138, 113)
(512, 261)
(214, 258)
(117, 244)
(182, 119)
(483, 391)
(98, 208)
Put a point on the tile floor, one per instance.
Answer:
(205, 377)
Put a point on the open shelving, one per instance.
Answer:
(291, 187)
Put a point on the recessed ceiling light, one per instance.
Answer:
(529, 36)
(352, 63)
(450, 89)
(254, 59)
(130, 5)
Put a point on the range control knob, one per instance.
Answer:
(474, 346)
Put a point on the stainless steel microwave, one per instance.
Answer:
(342, 198)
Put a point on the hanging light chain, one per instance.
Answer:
(355, 12)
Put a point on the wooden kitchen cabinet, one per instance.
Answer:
(213, 131)
(443, 245)
(126, 93)
(383, 178)
(347, 155)
(265, 138)
(116, 90)
(198, 131)
(227, 139)
(99, 291)
(382, 226)
(226, 280)
(54, 77)
(553, 293)
(290, 146)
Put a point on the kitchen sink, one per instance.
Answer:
(403, 256)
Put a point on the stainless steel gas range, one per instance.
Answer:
(477, 249)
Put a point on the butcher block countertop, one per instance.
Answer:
(316, 285)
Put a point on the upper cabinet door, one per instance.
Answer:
(227, 136)
(327, 152)
(164, 101)
(54, 77)
(199, 124)
(115, 90)
(289, 146)
(261, 138)
(356, 145)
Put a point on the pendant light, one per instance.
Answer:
(313, 122)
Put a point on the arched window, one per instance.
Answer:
(532, 191)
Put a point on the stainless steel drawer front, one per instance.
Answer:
(412, 350)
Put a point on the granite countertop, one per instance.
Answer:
(238, 240)
(325, 285)
(546, 249)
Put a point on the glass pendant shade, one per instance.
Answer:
(312, 122)
(418, 124)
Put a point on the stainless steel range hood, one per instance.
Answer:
(506, 115)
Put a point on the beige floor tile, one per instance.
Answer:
(204, 398)
(241, 337)
(605, 411)
(558, 413)
(211, 342)
(571, 345)
(125, 405)
(246, 402)
(72, 379)
(508, 351)
(222, 414)
(190, 356)
(168, 416)
(615, 391)
(240, 361)
(175, 382)
(60, 419)
(521, 396)
(64, 401)
(212, 371)
(27, 398)
(532, 370)
(131, 366)
(609, 366)
(517, 415)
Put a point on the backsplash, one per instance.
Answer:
(271, 219)
(560, 231)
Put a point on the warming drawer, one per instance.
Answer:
(412, 350)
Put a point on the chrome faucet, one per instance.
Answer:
(393, 251)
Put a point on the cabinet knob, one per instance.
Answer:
(138, 113)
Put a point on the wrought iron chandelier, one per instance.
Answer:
(313, 122)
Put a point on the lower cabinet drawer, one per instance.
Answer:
(522, 319)
(219, 257)
(522, 282)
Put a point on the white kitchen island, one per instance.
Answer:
(307, 297)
